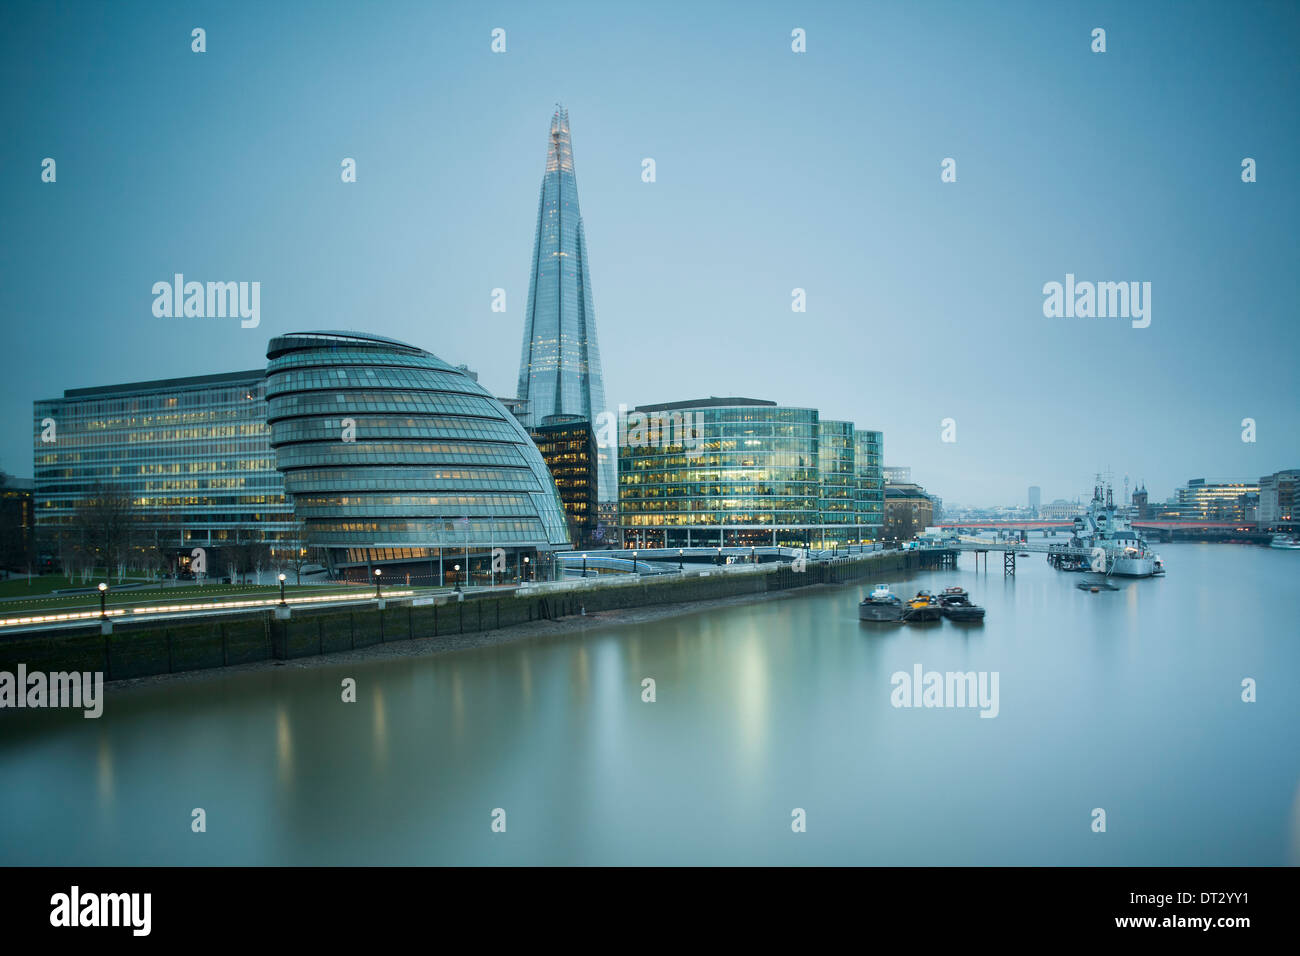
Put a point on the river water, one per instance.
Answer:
(1127, 701)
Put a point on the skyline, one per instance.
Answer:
(775, 171)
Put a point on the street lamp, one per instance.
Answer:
(527, 569)
(456, 568)
(103, 595)
(584, 567)
(281, 589)
(751, 554)
(634, 562)
(679, 561)
(378, 573)
(718, 559)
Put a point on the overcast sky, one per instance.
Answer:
(775, 170)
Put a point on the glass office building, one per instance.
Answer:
(568, 446)
(394, 458)
(751, 474)
(869, 452)
(193, 456)
(559, 369)
(837, 475)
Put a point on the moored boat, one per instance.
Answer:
(1285, 542)
(924, 607)
(956, 605)
(882, 606)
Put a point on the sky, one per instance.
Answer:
(775, 171)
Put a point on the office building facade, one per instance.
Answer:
(751, 475)
(396, 460)
(568, 446)
(188, 459)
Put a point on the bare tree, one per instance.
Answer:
(109, 519)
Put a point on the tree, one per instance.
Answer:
(108, 520)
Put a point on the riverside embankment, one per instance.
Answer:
(149, 648)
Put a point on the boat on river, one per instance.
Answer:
(956, 605)
(924, 607)
(881, 606)
(1112, 539)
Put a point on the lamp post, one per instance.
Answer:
(680, 569)
(527, 569)
(751, 554)
(378, 573)
(634, 562)
(281, 589)
(103, 601)
(718, 560)
(456, 568)
(584, 567)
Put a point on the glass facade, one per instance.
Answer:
(568, 447)
(559, 369)
(393, 457)
(837, 472)
(869, 452)
(761, 477)
(192, 454)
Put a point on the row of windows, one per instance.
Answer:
(414, 453)
(442, 427)
(353, 403)
(321, 358)
(309, 380)
(412, 479)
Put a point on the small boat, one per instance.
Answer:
(1285, 542)
(956, 606)
(882, 606)
(924, 607)
(1159, 568)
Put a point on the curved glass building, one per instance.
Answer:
(395, 458)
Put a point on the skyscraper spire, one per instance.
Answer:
(559, 368)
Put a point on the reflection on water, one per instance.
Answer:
(1127, 700)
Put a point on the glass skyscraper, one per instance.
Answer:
(559, 369)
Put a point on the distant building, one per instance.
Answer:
(568, 446)
(517, 407)
(908, 510)
(1141, 503)
(936, 506)
(1214, 501)
(1278, 501)
(1035, 498)
(898, 474)
(1060, 510)
(17, 524)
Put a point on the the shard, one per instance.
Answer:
(559, 370)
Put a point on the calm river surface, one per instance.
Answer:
(1128, 701)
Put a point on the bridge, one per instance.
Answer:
(1141, 524)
